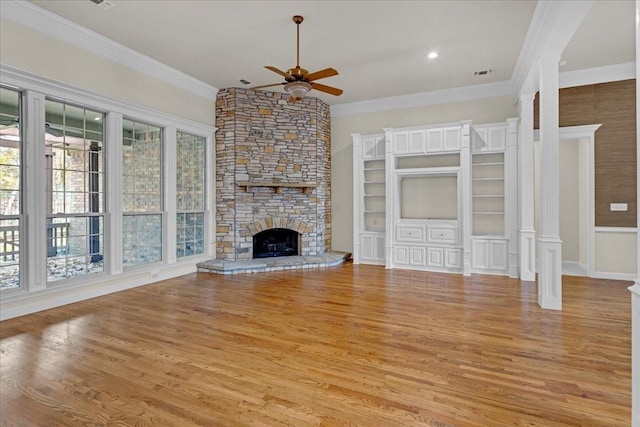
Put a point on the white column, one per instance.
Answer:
(635, 354)
(467, 201)
(526, 182)
(635, 289)
(113, 227)
(358, 189)
(549, 243)
(35, 206)
(511, 195)
(210, 198)
(389, 195)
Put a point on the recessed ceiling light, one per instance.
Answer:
(432, 55)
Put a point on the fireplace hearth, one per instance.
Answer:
(276, 242)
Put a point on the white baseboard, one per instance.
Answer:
(33, 302)
(614, 276)
(574, 268)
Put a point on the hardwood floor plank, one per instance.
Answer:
(349, 345)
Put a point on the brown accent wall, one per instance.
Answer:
(614, 106)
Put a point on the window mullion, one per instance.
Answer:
(35, 199)
(170, 168)
(113, 223)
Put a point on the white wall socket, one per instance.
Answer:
(620, 207)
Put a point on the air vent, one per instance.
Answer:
(245, 82)
(102, 4)
(482, 72)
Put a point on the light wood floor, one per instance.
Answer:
(348, 345)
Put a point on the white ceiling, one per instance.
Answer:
(379, 47)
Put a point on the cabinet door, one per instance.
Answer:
(410, 233)
(366, 247)
(452, 139)
(401, 255)
(417, 256)
(452, 258)
(435, 257)
(496, 139)
(435, 140)
(442, 234)
(480, 254)
(401, 143)
(416, 142)
(379, 249)
(498, 254)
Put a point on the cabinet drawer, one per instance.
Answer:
(409, 233)
(443, 235)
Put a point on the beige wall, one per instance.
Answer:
(31, 51)
(480, 111)
(616, 252)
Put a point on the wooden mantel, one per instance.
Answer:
(278, 186)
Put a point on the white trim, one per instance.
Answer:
(536, 35)
(28, 14)
(28, 81)
(621, 230)
(435, 97)
(23, 304)
(613, 276)
(596, 75)
(574, 268)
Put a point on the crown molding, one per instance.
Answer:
(36, 18)
(422, 99)
(605, 74)
(25, 80)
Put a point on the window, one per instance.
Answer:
(74, 190)
(141, 193)
(10, 185)
(190, 193)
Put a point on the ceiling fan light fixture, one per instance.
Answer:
(297, 89)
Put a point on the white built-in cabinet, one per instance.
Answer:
(369, 204)
(437, 198)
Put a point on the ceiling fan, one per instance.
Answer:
(299, 81)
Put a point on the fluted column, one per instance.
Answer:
(549, 243)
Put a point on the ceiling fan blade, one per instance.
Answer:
(272, 84)
(327, 72)
(328, 89)
(277, 71)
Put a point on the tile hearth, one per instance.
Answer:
(327, 259)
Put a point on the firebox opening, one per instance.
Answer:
(276, 242)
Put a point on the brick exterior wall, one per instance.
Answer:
(263, 138)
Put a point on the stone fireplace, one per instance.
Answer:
(273, 171)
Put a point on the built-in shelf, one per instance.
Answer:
(306, 187)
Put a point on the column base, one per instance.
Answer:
(528, 255)
(550, 274)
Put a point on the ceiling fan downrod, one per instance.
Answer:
(298, 20)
